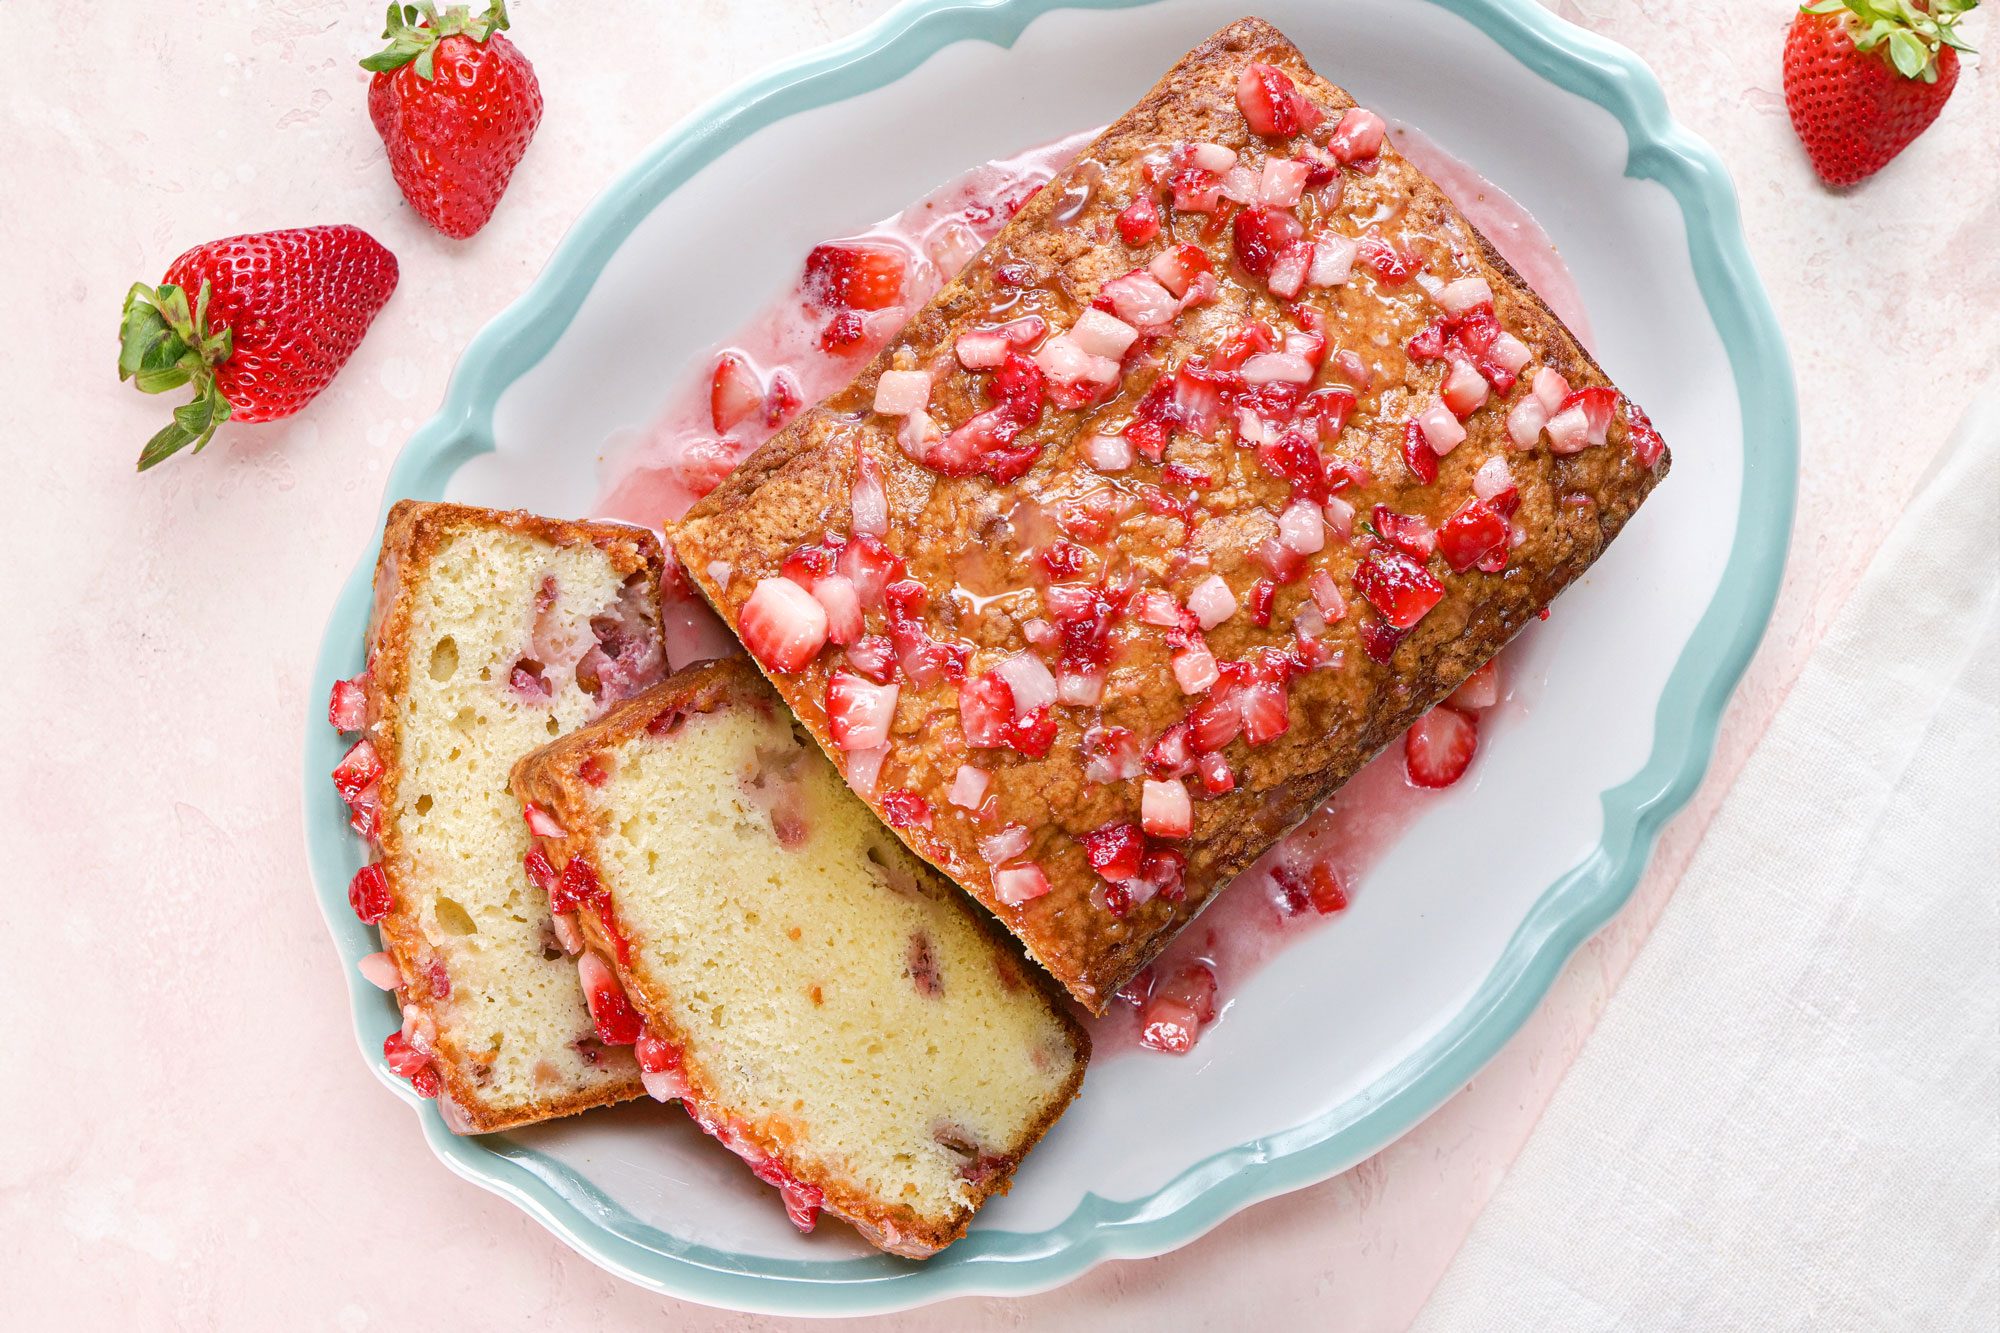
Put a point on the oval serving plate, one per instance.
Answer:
(1356, 1032)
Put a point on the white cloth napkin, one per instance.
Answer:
(1789, 1117)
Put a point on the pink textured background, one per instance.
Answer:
(190, 1138)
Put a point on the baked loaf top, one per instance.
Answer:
(817, 997)
(1233, 453)
(492, 634)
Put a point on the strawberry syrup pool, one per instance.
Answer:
(781, 363)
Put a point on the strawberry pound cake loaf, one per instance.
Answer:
(1231, 455)
(816, 997)
(493, 633)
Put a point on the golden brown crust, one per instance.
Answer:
(550, 778)
(415, 532)
(795, 489)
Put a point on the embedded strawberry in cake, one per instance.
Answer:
(1194, 481)
(919, 1064)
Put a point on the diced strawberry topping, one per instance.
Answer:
(1470, 534)
(368, 894)
(1017, 884)
(1111, 754)
(347, 709)
(356, 771)
(1379, 639)
(1216, 775)
(1392, 267)
(1165, 810)
(858, 713)
(871, 566)
(1358, 137)
(1480, 691)
(406, 1061)
(1272, 103)
(1266, 714)
(782, 625)
(1115, 851)
(1293, 457)
(905, 809)
(1139, 221)
(988, 719)
(1647, 446)
(1407, 532)
(848, 276)
(841, 332)
(734, 395)
(1418, 456)
(1598, 403)
(1260, 235)
(1397, 586)
(1439, 746)
(1172, 1017)
(874, 656)
(1258, 602)
(1178, 268)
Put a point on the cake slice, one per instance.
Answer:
(818, 998)
(492, 634)
(1234, 452)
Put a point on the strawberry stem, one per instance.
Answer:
(163, 345)
(1912, 31)
(413, 32)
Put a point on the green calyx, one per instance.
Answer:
(414, 31)
(1912, 31)
(163, 345)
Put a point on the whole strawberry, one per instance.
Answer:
(455, 104)
(1865, 77)
(259, 324)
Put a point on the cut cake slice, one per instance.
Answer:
(817, 997)
(492, 634)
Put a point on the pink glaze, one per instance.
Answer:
(1500, 217)
(680, 458)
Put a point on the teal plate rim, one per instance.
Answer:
(1569, 912)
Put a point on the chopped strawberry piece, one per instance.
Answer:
(841, 332)
(1379, 639)
(782, 625)
(859, 713)
(848, 276)
(782, 399)
(1439, 746)
(1418, 456)
(1317, 887)
(1327, 411)
(874, 656)
(1165, 810)
(1397, 586)
(1172, 754)
(1480, 691)
(1139, 221)
(576, 887)
(986, 711)
(1064, 560)
(871, 566)
(356, 771)
(1260, 235)
(1017, 884)
(1216, 775)
(406, 1061)
(1293, 457)
(1266, 714)
(347, 709)
(1258, 601)
(1272, 103)
(1471, 534)
(1177, 1009)
(1410, 533)
(540, 872)
(368, 894)
(1115, 851)
(1598, 403)
(1392, 267)
(1647, 446)
(734, 395)
(905, 809)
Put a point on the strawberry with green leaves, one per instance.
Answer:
(1865, 77)
(456, 104)
(258, 324)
